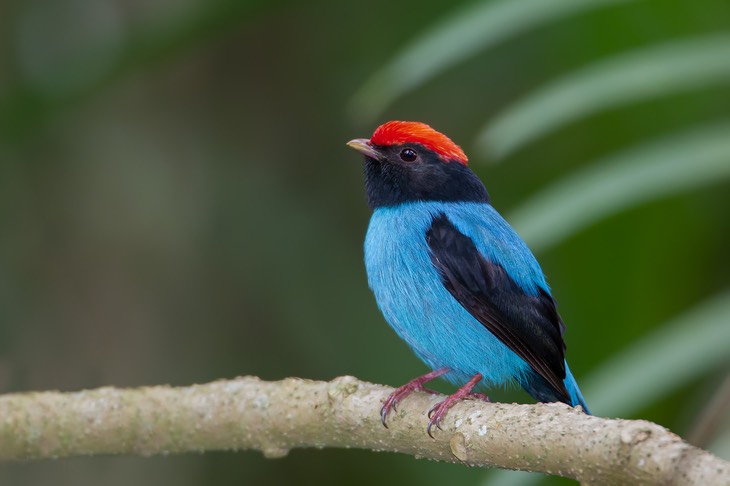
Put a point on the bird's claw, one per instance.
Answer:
(438, 411)
(428, 428)
(391, 403)
(436, 415)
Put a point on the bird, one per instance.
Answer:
(453, 278)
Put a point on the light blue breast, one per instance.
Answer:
(415, 303)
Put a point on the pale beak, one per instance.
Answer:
(364, 146)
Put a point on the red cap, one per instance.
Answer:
(400, 132)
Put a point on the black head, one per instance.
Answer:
(407, 162)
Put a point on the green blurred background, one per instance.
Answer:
(177, 203)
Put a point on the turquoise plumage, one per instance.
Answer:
(451, 276)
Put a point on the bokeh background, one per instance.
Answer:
(177, 203)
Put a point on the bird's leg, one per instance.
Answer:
(438, 411)
(403, 391)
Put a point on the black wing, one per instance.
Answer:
(529, 325)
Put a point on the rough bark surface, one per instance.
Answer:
(274, 417)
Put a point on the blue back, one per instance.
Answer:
(411, 296)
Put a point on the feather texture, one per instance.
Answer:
(401, 132)
(458, 284)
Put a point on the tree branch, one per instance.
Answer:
(274, 417)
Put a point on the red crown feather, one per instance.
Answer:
(400, 132)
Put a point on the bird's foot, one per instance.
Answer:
(438, 411)
(403, 391)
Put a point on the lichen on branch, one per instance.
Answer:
(274, 417)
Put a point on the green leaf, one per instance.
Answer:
(671, 356)
(667, 358)
(633, 76)
(721, 446)
(466, 32)
(25, 105)
(673, 164)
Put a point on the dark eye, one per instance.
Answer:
(408, 155)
